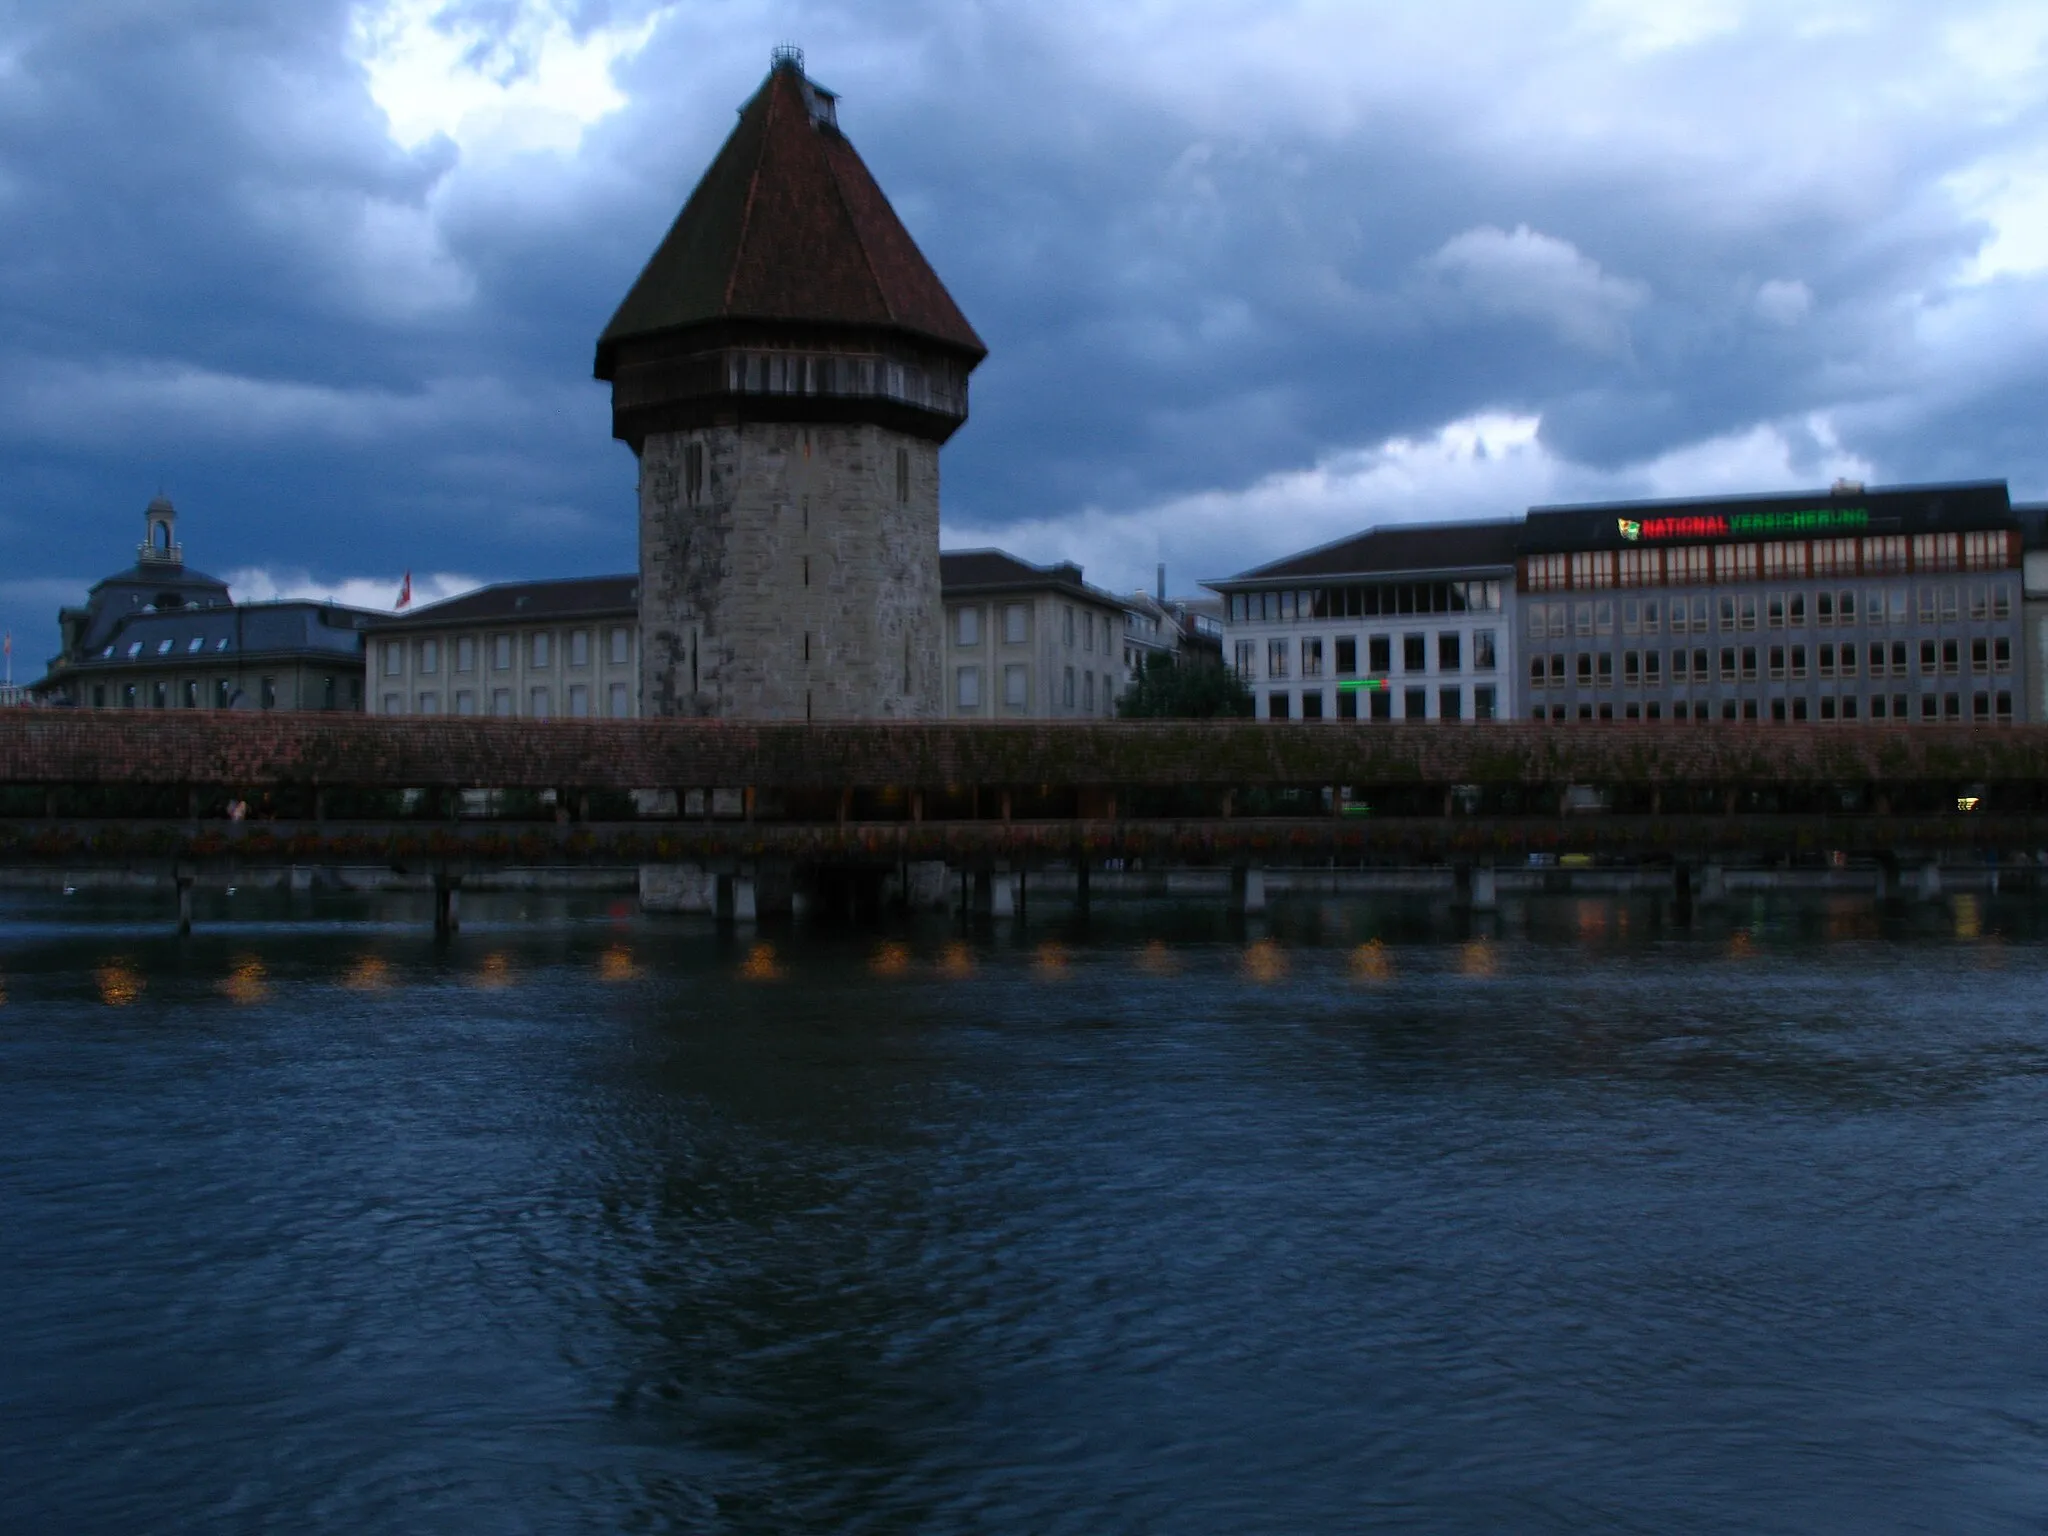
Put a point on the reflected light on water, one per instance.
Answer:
(1157, 960)
(1740, 945)
(890, 959)
(957, 961)
(760, 964)
(493, 973)
(1476, 957)
(246, 981)
(1850, 917)
(1371, 962)
(616, 964)
(367, 973)
(1051, 962)
(1969, 918)
(1264, 961)
(118, 982)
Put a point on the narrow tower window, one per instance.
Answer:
(903, 474)
(807, 570)
(693, 472)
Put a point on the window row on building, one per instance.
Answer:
(579, 701)
(1339, 655)
(1984, 707)
(538, 649)
(1077, 628)
(1080, 692)
(1378, 700)
(1363, 600)
(1786, 559)
(291, 689)
(1749, 663)
(1732, 611)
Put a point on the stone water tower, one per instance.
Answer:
(785, 369)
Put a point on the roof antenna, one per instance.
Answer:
(786, 53)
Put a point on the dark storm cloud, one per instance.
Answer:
(1244, 271)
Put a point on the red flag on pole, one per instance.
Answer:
(404, 592)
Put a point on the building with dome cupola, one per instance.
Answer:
(160, 635)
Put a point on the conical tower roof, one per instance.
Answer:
(788, 226)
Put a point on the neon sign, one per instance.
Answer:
(1365, 684)
(1745, 524)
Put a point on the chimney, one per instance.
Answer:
(1162, 583)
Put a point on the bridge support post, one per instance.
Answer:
(1248, 889)
(1002, 894)
(447, 905)
(1081, 885)
(676, 888)
(1929, 887)
(1681, 890)
(184, 881)
(774, 891)
(1713, 884)
(735, 899)
(1485, 896)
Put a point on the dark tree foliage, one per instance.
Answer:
(1190, 688)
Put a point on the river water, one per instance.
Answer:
(1361, 1216)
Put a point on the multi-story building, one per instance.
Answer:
(1174, 627)
(1899, 604)
(1409, 623)
(1029, 641)
(785, 370)
(2033, 662)
(160, 635)
(532, 649)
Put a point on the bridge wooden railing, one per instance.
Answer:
(268, 751)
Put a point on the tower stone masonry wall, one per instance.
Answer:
(796, 532)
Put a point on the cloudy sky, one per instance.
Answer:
(1253, 273)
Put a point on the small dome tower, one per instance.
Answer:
(160, 546)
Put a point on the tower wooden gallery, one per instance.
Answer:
(785, 369)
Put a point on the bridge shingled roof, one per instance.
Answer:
(93, 747)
